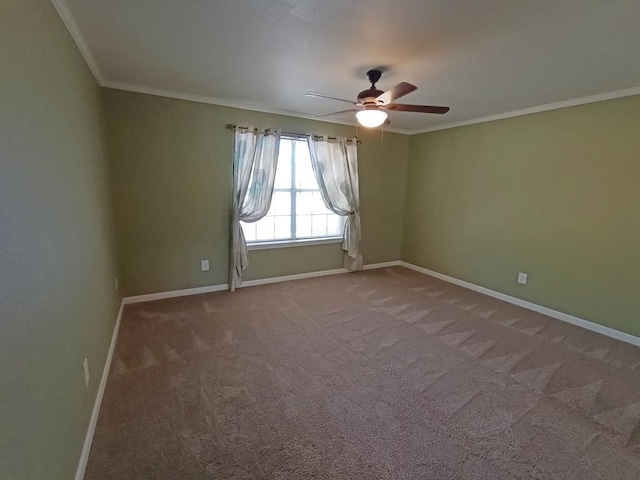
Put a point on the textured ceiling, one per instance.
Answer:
(480, 57)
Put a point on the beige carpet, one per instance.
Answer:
(385, 374)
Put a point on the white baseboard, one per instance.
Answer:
(565, 317)
(174, 293)
(372, 266)
(249, 283)
(297, 276)
(93, 421)
(86, 449)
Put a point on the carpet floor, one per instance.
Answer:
(383, 374)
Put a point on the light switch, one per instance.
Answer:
(204, 265)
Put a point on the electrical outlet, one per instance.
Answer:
(204, 265)
(85, 369)
(522, 278)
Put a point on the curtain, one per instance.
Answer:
(255, 158)
(335, 165)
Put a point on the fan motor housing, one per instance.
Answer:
(369, 93)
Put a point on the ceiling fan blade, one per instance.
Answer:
(400, 90)
(417, 108)
(338, 113)
(322, 95)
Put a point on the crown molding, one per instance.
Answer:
(231, 104)
(627, 92)
(72, 26)
(70, 22)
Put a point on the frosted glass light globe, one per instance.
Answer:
(371, 117)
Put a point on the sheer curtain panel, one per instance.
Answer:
(335, 165)
(255, 158)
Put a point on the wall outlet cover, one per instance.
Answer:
(522, 278)
(204, 265)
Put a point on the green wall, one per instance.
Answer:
(555, 194)
(58, 303)
(171, 174)
(552, 194)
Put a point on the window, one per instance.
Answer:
(297, 210)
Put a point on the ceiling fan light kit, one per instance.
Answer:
(372, 103)
(371, 118)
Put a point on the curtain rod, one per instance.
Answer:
(305, 136)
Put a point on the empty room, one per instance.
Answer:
(305, 239)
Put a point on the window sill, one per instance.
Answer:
(293, 243)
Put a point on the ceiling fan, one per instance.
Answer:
(372, 103)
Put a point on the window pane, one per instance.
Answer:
(265, 229)
(249, 230)
(303, 226)
(318, 225)
(281, 203)
(318, 204)
(313, 217)
(283, 172)
(271, 213)
(304, 203)
(283, 227)
(334, 224)
(304, 173)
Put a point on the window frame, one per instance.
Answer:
(294, 240)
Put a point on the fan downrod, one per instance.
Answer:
(369, 95)
(374, 75)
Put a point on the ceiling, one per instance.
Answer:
(483, 58)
